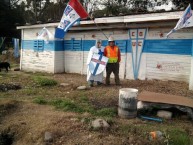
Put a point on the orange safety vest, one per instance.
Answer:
(112, 54)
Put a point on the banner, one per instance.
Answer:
(16, 47)
(45, 35)
(185, 21)
(73, 12)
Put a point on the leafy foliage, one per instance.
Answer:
(17, 12)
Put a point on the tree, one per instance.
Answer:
(10, 16)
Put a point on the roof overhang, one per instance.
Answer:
(130, 21)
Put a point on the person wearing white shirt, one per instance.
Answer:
(97, 49)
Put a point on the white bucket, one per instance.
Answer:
(127, 103)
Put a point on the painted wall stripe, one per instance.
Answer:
(166, 46)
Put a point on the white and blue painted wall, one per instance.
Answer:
(146, 53)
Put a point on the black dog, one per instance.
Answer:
(5, 65)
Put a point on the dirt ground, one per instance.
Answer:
(25, 122)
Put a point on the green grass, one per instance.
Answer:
(40, 100)
(171, 136)
(44, 81)
(67, 105)
(106, 112)
(79, 106)
(178, 137)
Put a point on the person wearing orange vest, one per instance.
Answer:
(113, 53)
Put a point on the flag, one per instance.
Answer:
(97, 64)
(16, 47)
(73, 12)
(45, 35)
(185, 21)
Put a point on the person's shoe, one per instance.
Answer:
(90, 83)
(99, 83)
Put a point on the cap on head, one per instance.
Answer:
(111, 39)
(98, 41)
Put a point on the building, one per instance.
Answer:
(145, 51)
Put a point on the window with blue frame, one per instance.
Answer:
(39, 45)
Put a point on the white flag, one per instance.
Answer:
(45, 35)
(185, 21)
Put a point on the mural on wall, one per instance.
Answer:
(169, 66)
(137, 37)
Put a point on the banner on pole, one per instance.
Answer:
(16, 47)
(73, 12)
(185, 21)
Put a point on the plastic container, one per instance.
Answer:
(127, 103)
(155, 135)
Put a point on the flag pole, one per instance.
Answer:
(93, 19)
(98, 26)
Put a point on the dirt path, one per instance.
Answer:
(28, 122)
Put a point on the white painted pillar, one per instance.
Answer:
(21, 50)
(191, 71)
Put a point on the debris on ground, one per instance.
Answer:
(81, 88)
(11, 86)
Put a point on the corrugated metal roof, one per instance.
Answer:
(153, 17)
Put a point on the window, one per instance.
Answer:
(39, 45)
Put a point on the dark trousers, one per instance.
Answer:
(112, 67)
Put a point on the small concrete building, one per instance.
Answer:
(146, 53)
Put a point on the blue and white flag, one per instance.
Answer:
(97, 64)
(16, 47)
(185, 21)
(73, 12)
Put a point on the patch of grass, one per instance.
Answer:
(81, 106)
(67, 105)
(106, 112)
(45, 81)
(178, 137)
(30, 91)
(40, 100)
(84, 99)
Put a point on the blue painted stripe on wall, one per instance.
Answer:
(59, 45)
(180, 47)
(29, 44)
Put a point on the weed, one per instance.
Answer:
(178, 137)
(84, 99)
(67, 105)
(83, 106)
(107, 112)
(30, 91)
(40, 100)
(45, 81)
